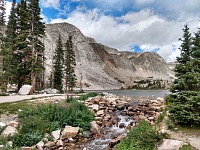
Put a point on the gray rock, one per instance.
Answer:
(142, 117)
(2, 124)
(56, 134)
(100, 112)
(24, 90)
(115, 141)
(87, 134)
(59, 143)
(40, 145)
(94, 127)
(9, 130)
(1, 147)
(69, 132)
(169, 144)
(51, 91)
(94, 107)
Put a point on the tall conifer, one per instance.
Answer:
(185, 57)
(9, 62)
(184, 109)
(70, 63)
(37, 32)
(22, 51)
(58, 65)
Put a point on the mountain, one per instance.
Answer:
(102, 67)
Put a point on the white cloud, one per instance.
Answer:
(45, 18)
(124, 32)
(58, 20)
(144, 28)
(51, 3)
(143, 2)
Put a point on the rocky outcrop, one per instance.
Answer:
(103, 67)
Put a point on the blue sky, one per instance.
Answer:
(131, 25)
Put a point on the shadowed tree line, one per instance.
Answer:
(22, 48)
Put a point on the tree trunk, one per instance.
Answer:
(33, 80)
(20, 82)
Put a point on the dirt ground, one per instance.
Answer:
(191, 136)
(14, 98)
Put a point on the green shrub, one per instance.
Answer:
(161, 116)
(170, 124)
(26, 139)
(142, 137)
(187, 147)
(170, 98)
(184, 110)
(4, 94)
(57, 116)
(84, 97)
(36, 121)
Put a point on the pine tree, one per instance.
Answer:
(183, 60)
(184, 109)
(37, 32)
(58, 65)
(9, 63)
(2, 20)
(70, 63)
(22, 53)
(2, 30)
(195, 62)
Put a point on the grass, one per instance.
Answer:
(187, 147)
(37, 118)
(13, 108)
(161, 116)
(142, 137)
(36, 121)
(84, 97)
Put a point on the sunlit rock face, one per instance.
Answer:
(100, 66)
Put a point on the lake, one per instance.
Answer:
(137, 93)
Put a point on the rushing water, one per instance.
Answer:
(138, 93)
(109, 133)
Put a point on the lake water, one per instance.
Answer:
(138, 93)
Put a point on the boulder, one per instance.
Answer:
(120, 106)
(9, 130)
(40, 145)
(2, 124)
(94, 107)
(56, 134)
(1, 147)
(59, 143)
(51, 91)
(100, 112)
(94, 127)
(87, 134)
(142, 117)
(49, 145)
(96, 100)
(169, 144)
(107, 123)
(11, 88)
(122, 125)
(13, 124)
(115, 141)
(69, 132)
(24, 90)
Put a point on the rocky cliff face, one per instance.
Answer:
(103, 67)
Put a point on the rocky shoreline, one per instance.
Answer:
(114, 116)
